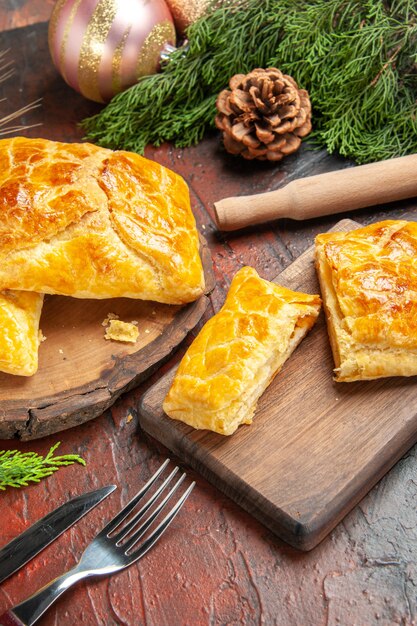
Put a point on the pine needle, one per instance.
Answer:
(6, 126)
(6, 66)
(17, 469)
(358, 61)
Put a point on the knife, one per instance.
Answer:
(29, 543)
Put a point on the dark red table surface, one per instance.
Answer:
(216, 565)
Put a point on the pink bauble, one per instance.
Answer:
(101, 47)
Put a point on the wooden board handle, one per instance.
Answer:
(324, 194)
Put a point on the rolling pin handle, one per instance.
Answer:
(324, 194)
(241, 211)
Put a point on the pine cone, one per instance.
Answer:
(264, 115)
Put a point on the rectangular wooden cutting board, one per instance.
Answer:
(315, 447)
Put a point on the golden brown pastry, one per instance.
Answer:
(368, 279)
(80, 220)
(238, 352)
(19, 332)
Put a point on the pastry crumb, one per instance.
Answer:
(121, 331)
(117, 330)
(61, 351)
(107, 320)
(147, 331)
(129, 418)
(42, 337)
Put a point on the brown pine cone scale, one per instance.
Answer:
(263, 115)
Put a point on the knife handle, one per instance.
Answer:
(323, 194)
(9, 619)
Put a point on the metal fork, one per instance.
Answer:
(110, 551)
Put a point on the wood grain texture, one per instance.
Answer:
(315, 447)
(217, 565)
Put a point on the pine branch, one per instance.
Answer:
(358, 61)
(17, 469)
(179, 103)
(356, 68)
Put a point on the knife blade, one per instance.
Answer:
(29, 543)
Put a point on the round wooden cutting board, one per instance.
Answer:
(81, 373)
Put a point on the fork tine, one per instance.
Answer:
(118, 519)
(161, 528)
(133, 522)
(103, 556)
(146, 524)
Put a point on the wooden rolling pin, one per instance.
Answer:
(324, 194)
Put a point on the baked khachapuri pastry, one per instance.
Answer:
(238, 352)
(368, 279)
(87, 222)
(19, 332)
(84, 221)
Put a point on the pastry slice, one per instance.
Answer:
(368, 280)
(19, 332)
(87, 222)
(238, 352)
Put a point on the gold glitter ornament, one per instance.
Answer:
(102, 47)
(186, 12)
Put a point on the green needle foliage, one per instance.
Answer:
(358, 60)
(17, 469)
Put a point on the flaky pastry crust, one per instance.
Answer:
(19, 332)
(368, 279)
(80, 220)
(238, 352)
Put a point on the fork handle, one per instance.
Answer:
(29, 611)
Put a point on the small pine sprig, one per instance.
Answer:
(17, 469)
